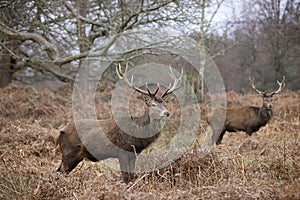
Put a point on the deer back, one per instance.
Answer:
(240, 118)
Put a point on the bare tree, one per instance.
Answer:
(53, 36)
(210, 36)
(277, 20)
(270, 50)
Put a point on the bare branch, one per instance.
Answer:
(51, 49)
(84, 19)
(214, 15)
(52, 68)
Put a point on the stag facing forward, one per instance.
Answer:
(113, 141)
(248, 119)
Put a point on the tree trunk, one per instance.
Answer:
(7, 66)
(83, 42)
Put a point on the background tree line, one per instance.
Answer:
(51, 38)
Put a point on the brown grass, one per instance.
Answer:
(264, 166)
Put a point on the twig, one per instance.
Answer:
(75, 196)
(13, 190)
(136, 182)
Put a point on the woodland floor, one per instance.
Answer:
(263, 166)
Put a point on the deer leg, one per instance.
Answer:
(249, 131)
(215, 136)
(59, 169)
(221, 137)
(127, 165)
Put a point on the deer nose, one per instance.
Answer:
(167, 113)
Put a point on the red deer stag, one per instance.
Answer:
(112, 141)
(248, 119)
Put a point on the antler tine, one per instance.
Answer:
(251, 80)
(154, 93)
(176, 84)
(123, 75)
(281, 86)
(119, 71)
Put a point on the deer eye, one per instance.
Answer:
(153, 104)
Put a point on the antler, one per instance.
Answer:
(251, 80)
(123, 75)
(281, 86)
(176, 84)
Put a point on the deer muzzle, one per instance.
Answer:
(167, 114)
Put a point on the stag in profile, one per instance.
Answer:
(113, 141)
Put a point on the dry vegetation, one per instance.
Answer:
(264, 166)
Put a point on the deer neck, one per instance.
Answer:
(265, 114)
(147, 127)
(145, 119)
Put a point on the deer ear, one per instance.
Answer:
(147, 99)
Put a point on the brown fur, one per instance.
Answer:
(112, 142)
(248, 119)
(100, 139)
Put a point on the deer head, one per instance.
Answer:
(268, 97)
(156, 104)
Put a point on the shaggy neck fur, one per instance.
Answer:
(265, 114)
(148, 129)
(145, 119)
